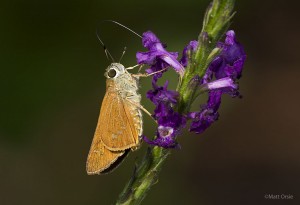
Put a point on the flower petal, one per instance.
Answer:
(149, 39)
(226, 82)
(208, 114)
(173, 63)
(146, 57)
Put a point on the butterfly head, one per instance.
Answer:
(114, 70)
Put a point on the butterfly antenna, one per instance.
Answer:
(132, 31)
(122, 54)
(107, 53)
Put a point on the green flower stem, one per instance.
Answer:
(144, 177)
(216, 22)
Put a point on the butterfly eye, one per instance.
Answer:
(112, 73)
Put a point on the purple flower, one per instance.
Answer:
(162, 94)
(231, 60)
(170, 123)
(157, 56)
(171, 119)
(192, 46)
(165, 138)
(228, 64)
(208, 114)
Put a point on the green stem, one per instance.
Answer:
(144, 177)
(216, 22)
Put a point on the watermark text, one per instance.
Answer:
(279, 196)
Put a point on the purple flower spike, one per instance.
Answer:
(192, 46)
(231, 60)
(208, 114)
(157, 56)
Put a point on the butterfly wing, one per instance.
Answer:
(100, 158)
(118, 123)
(114, 135)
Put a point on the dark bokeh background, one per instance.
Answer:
(52, 83)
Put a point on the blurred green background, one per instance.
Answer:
(52, 84)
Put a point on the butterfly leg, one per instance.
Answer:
(147, 74)
(142, 108)
(147, 112)
(140, 68)
(132, 67)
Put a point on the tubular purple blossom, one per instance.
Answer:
(231, 60)
(208, 114)
(165, 138)
(157, 56)
(170, 123)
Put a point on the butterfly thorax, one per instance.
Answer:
(123, 84)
